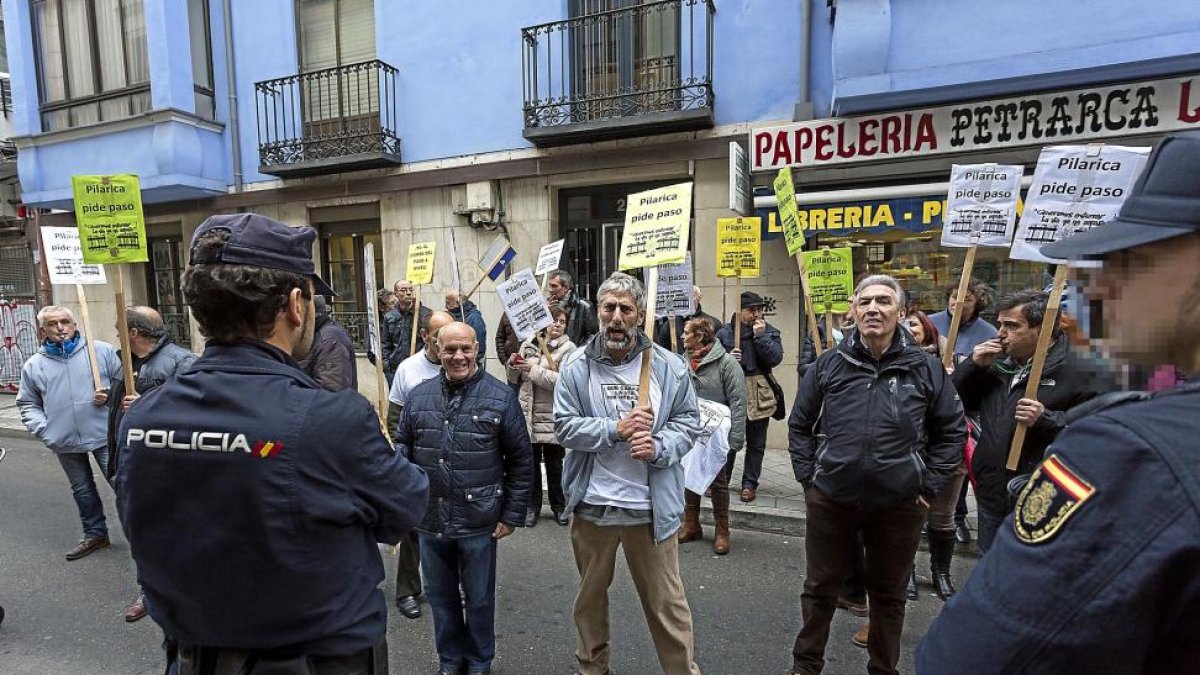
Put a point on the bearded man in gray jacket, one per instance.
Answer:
(623, 477)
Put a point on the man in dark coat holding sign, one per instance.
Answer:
(1096, 570)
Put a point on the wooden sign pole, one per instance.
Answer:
(123, 331)
(1049, 321)
(956, 319)
(479, 282)
(541, 338)
(86, 318)
(416, 320)
(737, 324)
(674, 332)
(808, 307)
(830, 343)
(651, 302)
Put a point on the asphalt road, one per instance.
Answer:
(65, 617)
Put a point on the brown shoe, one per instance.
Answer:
(87, 546)
(749, 494)
(860, 638)
(691, 530)
(136, 610)
(721, 538)
(855, 608)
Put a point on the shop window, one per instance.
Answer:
(91, 60)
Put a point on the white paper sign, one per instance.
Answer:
(1075, 188)
(981, 207)
(524, 304)
(64, 258)
(548, 257)
(707, 457)
(675, 289)
(372, 300)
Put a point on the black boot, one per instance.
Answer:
(941, 552)
(912, 585)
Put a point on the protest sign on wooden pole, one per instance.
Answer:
(829, 273)
(547, 261)
(981, 210)
(789, 215)
(112, 230)
(123, 331)
(421, 257)
(495, 259)
(956, 317)
(1049, 320)
(674, 296)
(86, 318)
(656, 233)
(374, 337)
(1075, 188)
(739, 254)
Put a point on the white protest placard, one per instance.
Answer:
(981, 207)
(675, 289)
(524, 304)
(1075, 188)
(64, 258)
(548, 257)
(708, 454)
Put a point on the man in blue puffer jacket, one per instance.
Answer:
(466, 429)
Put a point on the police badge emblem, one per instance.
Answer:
(1052, 495)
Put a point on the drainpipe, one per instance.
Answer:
(804, 106)
(235, 137)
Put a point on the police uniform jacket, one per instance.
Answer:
(875, 434)
(253, 501)
(470, 437)
(993, 392)
(166, 360)
(1096, 572)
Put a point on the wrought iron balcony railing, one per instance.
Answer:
(619, 72)
(337, 119)
(356, 325)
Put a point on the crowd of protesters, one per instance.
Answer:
(881, 435)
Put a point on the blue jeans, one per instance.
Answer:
(83, 487)
(464, 636)
(989, 525)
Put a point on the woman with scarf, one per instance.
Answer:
(718, 378)
(537, 374)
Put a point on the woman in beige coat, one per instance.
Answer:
(537, 377)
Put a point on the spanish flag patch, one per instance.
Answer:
(1052, 495)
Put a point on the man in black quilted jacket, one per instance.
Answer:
(466, 429)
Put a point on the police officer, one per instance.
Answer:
(252, 498)
(1096, 571)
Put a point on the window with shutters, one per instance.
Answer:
(334, 34)
(91, 60)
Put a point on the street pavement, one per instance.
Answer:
(65, 617)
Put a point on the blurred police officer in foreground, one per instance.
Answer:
(1098, 571)
(253, 498)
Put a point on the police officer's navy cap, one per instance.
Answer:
(751, 299)
(263, 242)
(1163, 204)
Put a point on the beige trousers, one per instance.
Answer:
(655, 572)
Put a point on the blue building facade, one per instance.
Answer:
(455, 120)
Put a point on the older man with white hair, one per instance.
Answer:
(62, 407)
(876, 432)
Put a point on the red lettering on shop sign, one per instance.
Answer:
(844, 151)
(1187, 114)
(866, 133)
(824, 143)
(891, 135)
(926, 138)
(762, 145)
(783, 150)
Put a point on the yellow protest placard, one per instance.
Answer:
(830, 278)
(785, 198)
(420, 263)
(739, 247)
(656, 227)
(108, 211)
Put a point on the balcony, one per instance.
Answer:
(325, 121)
(639, 70)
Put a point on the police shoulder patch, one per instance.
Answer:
(1052, 495)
